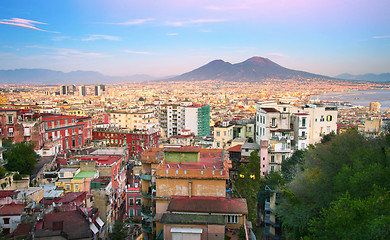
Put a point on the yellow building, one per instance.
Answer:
(80, 181)
(3, 99)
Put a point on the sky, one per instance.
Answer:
(171, 37)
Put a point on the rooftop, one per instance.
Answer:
(11, 209)
(102, 159)
(85, 174)
(193, 219)
(208, 205)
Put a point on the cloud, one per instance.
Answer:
(24, 23)
(134, 22)
(194, 21)
(136, 52)
(60, 52)
(386, 36)
(172, 34)
(98, 37)
(60, 38)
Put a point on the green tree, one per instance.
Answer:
(118, 232)
(347, 163)
(248, 183)
(2, 172)
(21, 157)
(354, 218)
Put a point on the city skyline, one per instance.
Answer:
(121, 38)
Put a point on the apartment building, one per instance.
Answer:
(22, 125)
(323, 120)
(137, 141)
(66, 128)
(134, 120)
(190, 183)
(223, 135)
(171, 118)
(197, 119)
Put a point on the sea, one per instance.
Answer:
(358, 98)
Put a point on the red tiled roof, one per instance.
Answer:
(23, 229)
(183, 136)
(7, 193)
(11, 209)
(236, 148)
(208, 205)
(301, 114)
(269, 109)
(103, 159)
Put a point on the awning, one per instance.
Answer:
(99, 222)
(93, 228)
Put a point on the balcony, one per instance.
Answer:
(146, 195)
(146, 177)
(269, 234)
(302, 137)
(267, 219)
(267, 206)
(147, 212)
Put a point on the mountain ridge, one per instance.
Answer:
(47, 76)
(368, 77)
(253, 69)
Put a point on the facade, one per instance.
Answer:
(300, 123)
(171, 119)
(82, 91)
(197, 119)
(10, 216)
(22, 126)
(223, 135)
(133, 203)
(144, 121)
(137, 141)
(323, 120)
(186, 174)
(66, 128)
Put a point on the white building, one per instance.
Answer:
(300, 123)
(323, 120)
(223, 135)
(11, 217)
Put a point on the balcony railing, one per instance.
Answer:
(146, 177)
(269, 234)
(146, 195)
(267, 206)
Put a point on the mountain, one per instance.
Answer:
(45, 76)
(253, 69)
(369, 77)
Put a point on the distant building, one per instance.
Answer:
(100, 89)
(171, 118)
(375, 107)
(197, 119)
(223, 135)
(63, 90)
(82, 90)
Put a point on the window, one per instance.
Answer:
(303, 122)
(131, 213)
(138, 212)
(68, 187)
(224, 133)
(272, 158)
(61, 175)
(329, 118)
(10, 119)
(328, 129)
(272, 168)
(131, 202)
(76, 187)
(138, 202)
(218, 145)
(303, 133)
(6, 220)
(218, 133)
(273, 123)
(231, 219)
(283, 157)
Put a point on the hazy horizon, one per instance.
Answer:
(120, 38)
